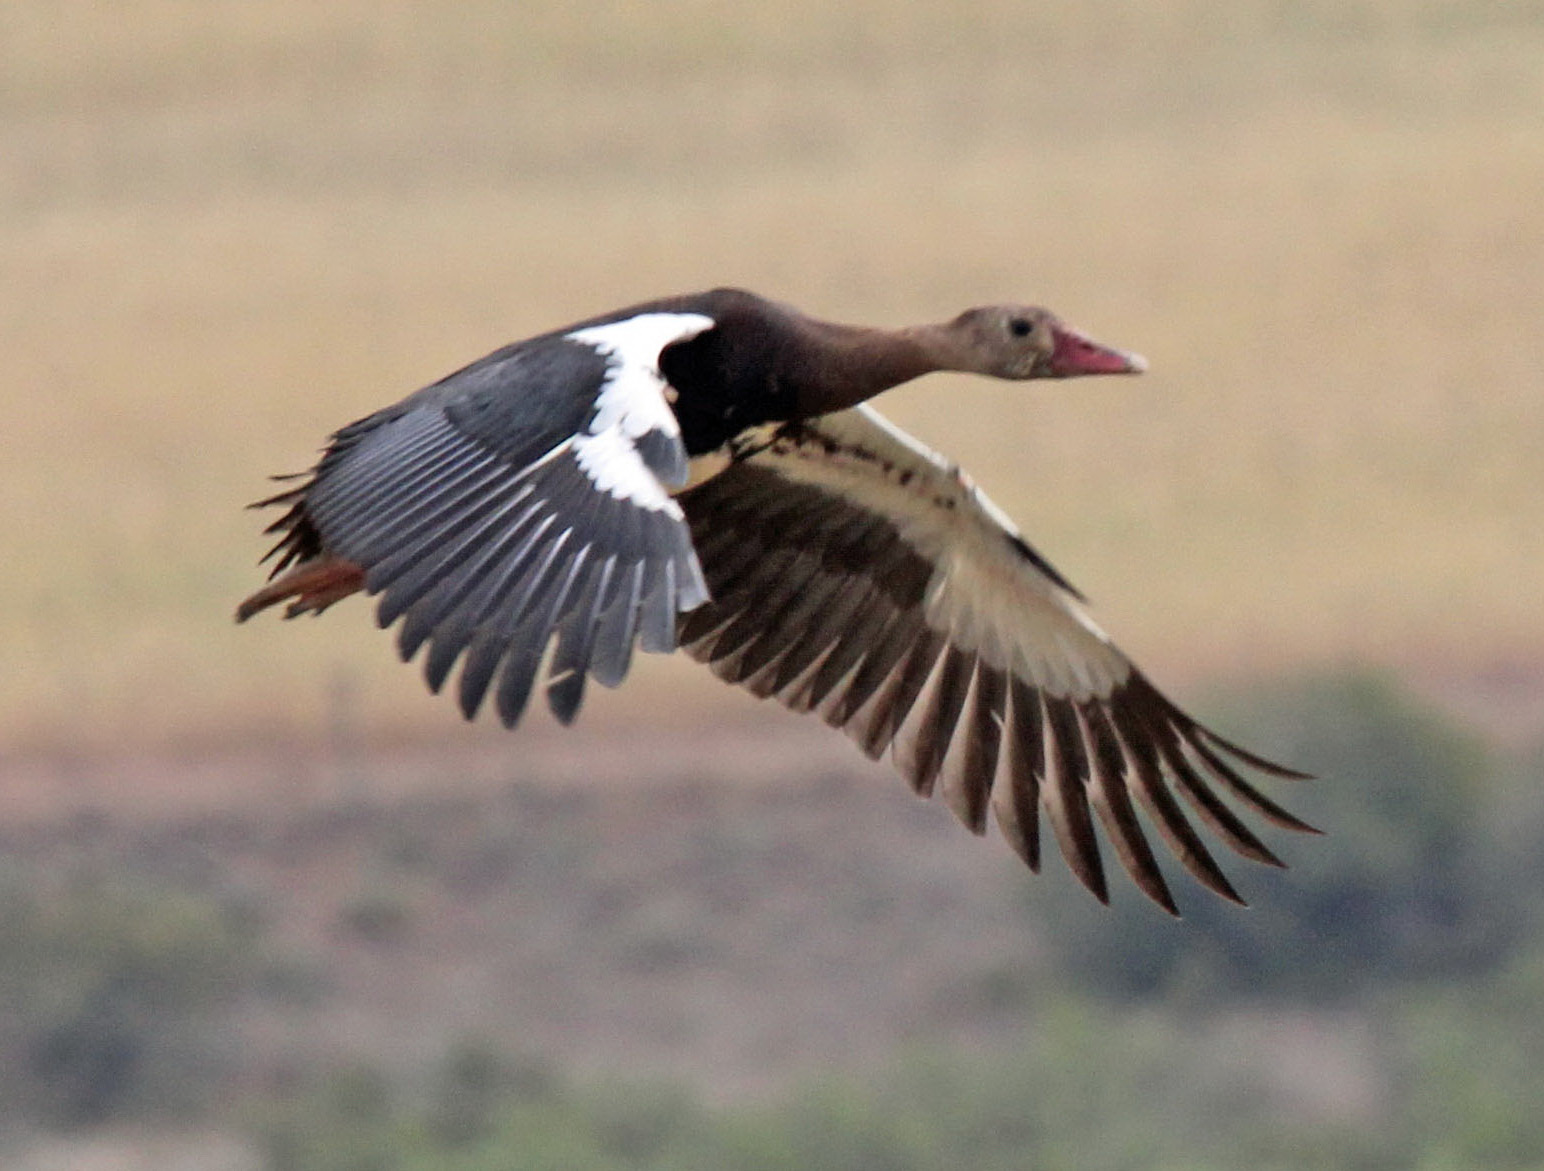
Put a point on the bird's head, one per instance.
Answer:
(1024, 341)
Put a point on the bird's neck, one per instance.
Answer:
(839, 366)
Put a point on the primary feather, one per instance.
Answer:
(530, 508)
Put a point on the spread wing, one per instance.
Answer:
(521, 498)
(856, 574)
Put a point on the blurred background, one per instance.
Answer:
(264, 903)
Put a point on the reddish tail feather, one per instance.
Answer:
(314, 586)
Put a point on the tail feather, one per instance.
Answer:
(313, 586)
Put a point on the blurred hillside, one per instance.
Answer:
(227, 228)
(506, 968)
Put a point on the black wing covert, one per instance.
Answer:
(487, 526)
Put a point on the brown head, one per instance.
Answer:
(1022, 341)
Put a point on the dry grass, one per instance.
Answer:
(226, 228)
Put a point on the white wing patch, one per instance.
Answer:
(632, 398)
(614, 466)
(631, 408)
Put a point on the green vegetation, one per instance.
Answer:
(1093, 1085)
(1397, 962)
(1406, 930)
(113, 999)
(1411, 883)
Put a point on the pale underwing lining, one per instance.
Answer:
(879, 591)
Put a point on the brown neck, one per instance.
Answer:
(839, 366)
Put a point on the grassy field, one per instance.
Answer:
(227, 228)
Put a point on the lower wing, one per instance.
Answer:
(858, 575)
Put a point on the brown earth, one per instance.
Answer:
(718, 909)
(731, 908)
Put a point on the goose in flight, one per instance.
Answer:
(703, 471)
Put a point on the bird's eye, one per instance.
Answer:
(1020, 327)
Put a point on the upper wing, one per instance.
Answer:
(522, 496)
(857, 574)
